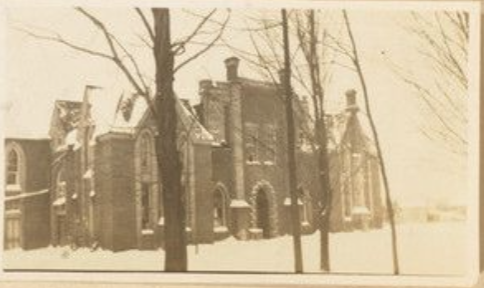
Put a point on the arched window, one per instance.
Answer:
(146, 202)
(305, 205)
(13, 168)
(60, 190)
(306, 210)
(219, 209)
(145, 152)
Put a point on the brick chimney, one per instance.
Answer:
(204, 86)
(232, 67)
(351, 105)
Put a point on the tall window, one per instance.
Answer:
(145, 151)
(260, 142)
(227, 124)
(61, 189)
(13, 175)
(269, 141)
(146, 188)
(145, 206)
(219, 209)
(251, 142)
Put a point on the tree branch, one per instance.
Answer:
(57, 38)
(206, 48)
(181, 44)
(143, 18)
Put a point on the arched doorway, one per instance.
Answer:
(264, 220)
(219, 209)
(262, 213)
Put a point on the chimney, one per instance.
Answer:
(351, 105)
(204, 86)
(232, 67)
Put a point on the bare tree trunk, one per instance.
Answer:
(322, 142)
(389, 204)
(167, 153)
(321, 139)
(296, 223)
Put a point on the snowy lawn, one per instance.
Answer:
(438, 248)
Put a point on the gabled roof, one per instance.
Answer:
(65, 117)
(340, 126)
(191, 125)
(123, 114)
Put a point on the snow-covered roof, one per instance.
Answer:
(339, 126)
(72, 139)
(191, 124)
(105, 113)
(129, 112)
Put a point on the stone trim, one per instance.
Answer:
(226, 202)
(21, 164)
(271, 198)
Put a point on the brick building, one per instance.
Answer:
(26, 219)
(104, 187)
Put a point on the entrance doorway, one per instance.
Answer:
(61, 230)
(12, 233)
(262, 213)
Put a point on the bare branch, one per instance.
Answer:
(181, 44)
(57, 38)
(206, 48)
(112, 41)
(146, 24)
(100, 25)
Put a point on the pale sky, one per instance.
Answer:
(39, 72)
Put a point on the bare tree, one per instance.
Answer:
(311, 63)
(291, 147)
(353, 54)
(442, 41)
(162, 105)
(310, 37)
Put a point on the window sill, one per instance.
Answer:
(147, 232)
(220, 229)
(15, 211)
(13, 188)
(288, 202)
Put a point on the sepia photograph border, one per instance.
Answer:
(211, 278)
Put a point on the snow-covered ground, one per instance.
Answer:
(430, 248)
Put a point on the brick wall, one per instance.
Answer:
(38, 159)
(115, 212)
(204, 193)
(103, 209)
(35, 210)
(36, 221)
(123, 193)
(222, 168)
